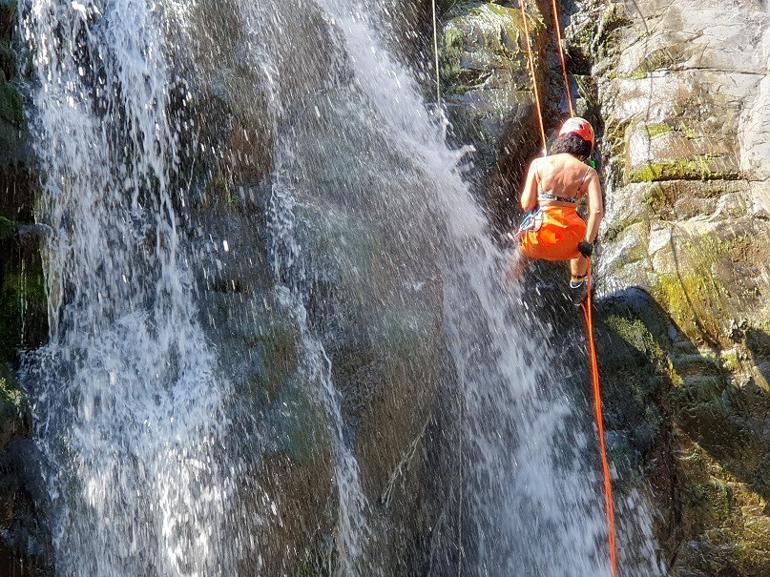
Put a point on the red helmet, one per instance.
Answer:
(579, 126)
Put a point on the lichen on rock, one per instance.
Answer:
(686, 199)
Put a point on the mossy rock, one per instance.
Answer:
(12, 407)
(23, 309)
(13, 128)
(11, 103)
(8, 11)
(702, 167)
(666, 58)
(477, 41)
(697, 298)
(632, 345)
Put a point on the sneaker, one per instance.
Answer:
(578, 290)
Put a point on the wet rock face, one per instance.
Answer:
(23, 316)
(683, 93)
(486, 84)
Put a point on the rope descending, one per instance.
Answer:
(435, 54)
(535, 90)
(586, 306)
(608, 500)
(557, 25)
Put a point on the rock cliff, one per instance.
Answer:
(682, 91)
(679, 92)
(23, 313)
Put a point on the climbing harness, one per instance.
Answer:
(586, 305)
(594, 368)
(532, 221)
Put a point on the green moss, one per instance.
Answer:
(9, 394)
(454, 43)
(604, 41)
(687, 131)
(657, 128)
(499, 28)
(655, 197)
(661, 59)
(706, 505)
(616, 228)
(694, 297)
(730, 360)
(7, 228)
(701, 167)
(635, 333)
(23, 312)
(686, 298)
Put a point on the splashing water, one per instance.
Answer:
(532, 502)
(369, 215)
(352, 529)
(127, 398)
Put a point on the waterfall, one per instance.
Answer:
(128, 401)
(375, 238)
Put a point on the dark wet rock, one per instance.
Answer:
(486, 87)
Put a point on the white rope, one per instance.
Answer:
(435, 53)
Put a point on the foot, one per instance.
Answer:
(578, 290)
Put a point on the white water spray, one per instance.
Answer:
(128, 404)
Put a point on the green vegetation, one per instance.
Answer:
(707, 504)
(11, 103)
(9, 394)
(7, 228)
(701, 167)
(636, 334)
(657, 128)
(662, 59)
(494, 31)
(23, 312)
(695, 298)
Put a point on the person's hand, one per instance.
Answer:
(585, 248)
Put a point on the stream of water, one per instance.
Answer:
(131, 405)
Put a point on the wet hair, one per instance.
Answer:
(572, 144)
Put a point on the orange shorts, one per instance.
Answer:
(558, 236)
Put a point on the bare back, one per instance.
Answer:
(560, 180)
(561, 175)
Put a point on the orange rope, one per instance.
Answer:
(557, 25)
(535, 90)
(608, 501)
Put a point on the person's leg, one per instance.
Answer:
(578, 267)
(578, 285)
(515, 267)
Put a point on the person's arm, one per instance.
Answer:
(529, 193)
(595, 207)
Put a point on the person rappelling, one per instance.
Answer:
(555, 187)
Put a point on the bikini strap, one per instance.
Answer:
(583, 181)
(540, 189)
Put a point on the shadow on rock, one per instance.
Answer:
(693, 422)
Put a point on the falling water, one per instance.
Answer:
(532, 502)
(352, 529)
(371, 227)
(128, 399)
